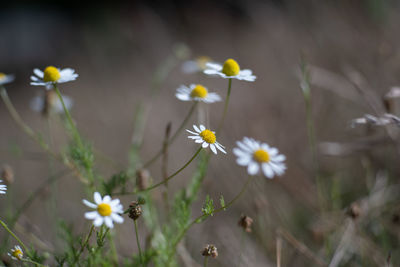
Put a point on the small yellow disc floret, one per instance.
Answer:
(17, 253)
(261, 156)
(104, 209)
(208, 136)
(2, 76)
(231, 68)
(199, 91)
(51, 74)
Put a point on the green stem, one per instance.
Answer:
(13, 235)
(69, 118)
(205, 261)
(216, 211)
(138, 243)
(164, 180)
(225, 107)
(172, 139)
(33, 262)
(84, 244)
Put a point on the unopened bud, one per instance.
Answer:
(354, 211)
(210, 250)
(135, 210)
(245, 222)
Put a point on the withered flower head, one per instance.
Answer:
(245, 222)
(210, 250)
(135, 210)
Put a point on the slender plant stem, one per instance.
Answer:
(69, 118)
(205, 261)
(172, 139)
(228, 94)
(84, 244)
(33, 262)
(36, 137)
(138, 243)
(13, 235)
(201, 217)
(164, 180)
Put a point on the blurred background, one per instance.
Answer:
(131, 54)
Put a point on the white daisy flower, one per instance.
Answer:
(52, 75)
(3, 188)
(196, 65)
(107, 211)
(196, 92)
(256, 155)
(206, 138)
(6, 78)
(50, 102)
(16, 253)
(230, 70)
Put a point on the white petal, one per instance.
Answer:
(267, 170)
(252, 168)
(220, 147)
(108, 222)
(183, 97)
(97, 198)
(38, 73)
(196, 129)
(117, 218)
(243, 161)
(279, 158)
(214, 66)
(98, 221)
(89, 204)
(202, 128)
(205, 144)
(213, 149)
(192, 132)
(91, 215)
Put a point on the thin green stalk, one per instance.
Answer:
(13, 235)
(205, 261)
(225, 106)
(138, 243)
(164, 180)
(84, 244)
(172, 139)
(69, 118)
(33, 262)
(203, 216)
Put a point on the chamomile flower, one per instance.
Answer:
(196, 92)
(49, 101)
(206, 138)
(196, 65)
(230, 70)
(6, 78)
(3, 188)
(107, 211)
(52, 75)
(256, 156)
(16, 253)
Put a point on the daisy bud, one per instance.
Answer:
(245, 222)
(135, 210)
(210, 250)
(7, 174)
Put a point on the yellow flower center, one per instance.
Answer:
(199, 91)
(208, 136)
(261, 156)
(17, 253)
(104, 209)
(201, 61)
(51, 74)
(231, 68)
(2, 76)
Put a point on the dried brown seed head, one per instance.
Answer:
(210, 250)
(245, 222)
